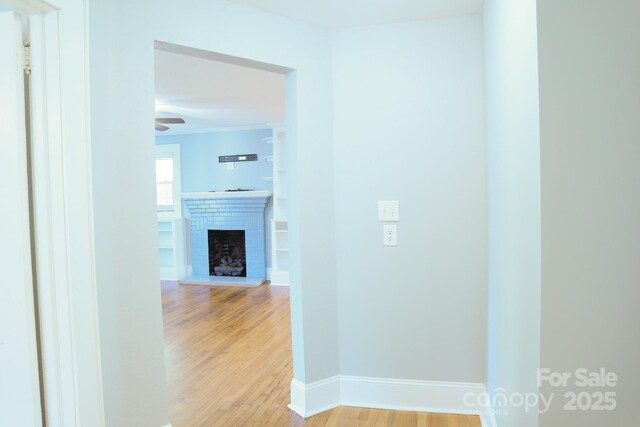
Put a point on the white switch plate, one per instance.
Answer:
(388, 210)
(231, 166)
(390, 237)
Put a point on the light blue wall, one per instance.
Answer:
(201, 170)
(419, 140)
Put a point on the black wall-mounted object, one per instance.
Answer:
(238, 158)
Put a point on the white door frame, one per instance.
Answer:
(62, 208)
(19, 377)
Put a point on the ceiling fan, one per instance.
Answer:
(161, 121)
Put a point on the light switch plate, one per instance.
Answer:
(390, 234)
(231, 166)
(388, 210)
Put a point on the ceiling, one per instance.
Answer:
(211, 95)
(353, 13)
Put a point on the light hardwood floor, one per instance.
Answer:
(228, 357)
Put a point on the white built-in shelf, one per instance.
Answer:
(280, 225)
(170, 248)
(267, 178)
(268, 158)
(268, 140)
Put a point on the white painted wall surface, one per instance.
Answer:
(122, 96)
(409, 126)
(513, 164)
(123, 154)
(590, 151)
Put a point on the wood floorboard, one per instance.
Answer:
(228, 359)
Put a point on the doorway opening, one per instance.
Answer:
(222, 200)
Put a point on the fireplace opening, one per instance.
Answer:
(227, 253)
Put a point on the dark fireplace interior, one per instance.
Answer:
(227, 253)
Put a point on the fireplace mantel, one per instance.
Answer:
(225, 195)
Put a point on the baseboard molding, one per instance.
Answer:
(488, 417)
(388, 393)
(311, 399)
(279, 278)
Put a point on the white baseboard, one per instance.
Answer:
(387, 393)
(488, 417)
(311, 399)
(168, 273)
(279, 278)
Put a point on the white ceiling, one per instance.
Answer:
(353, 13)
(212, 95)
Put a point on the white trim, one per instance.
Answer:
(19, 376)
(388, 393)
(311, 399)
(63, 214)
(187, 131)
(409, 395)
(50, 228)
(226, 195)
(279, 278)
(488, 416)
(29, 7)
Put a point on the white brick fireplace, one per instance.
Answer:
(242, 210)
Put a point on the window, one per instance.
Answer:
(164, 184)
(168, 180)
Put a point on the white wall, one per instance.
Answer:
(513, 164)
(123, 153)
(122, 35)
(590, 151)
(408, 125)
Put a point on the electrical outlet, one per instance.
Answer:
(390, 234)
(388, 210)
